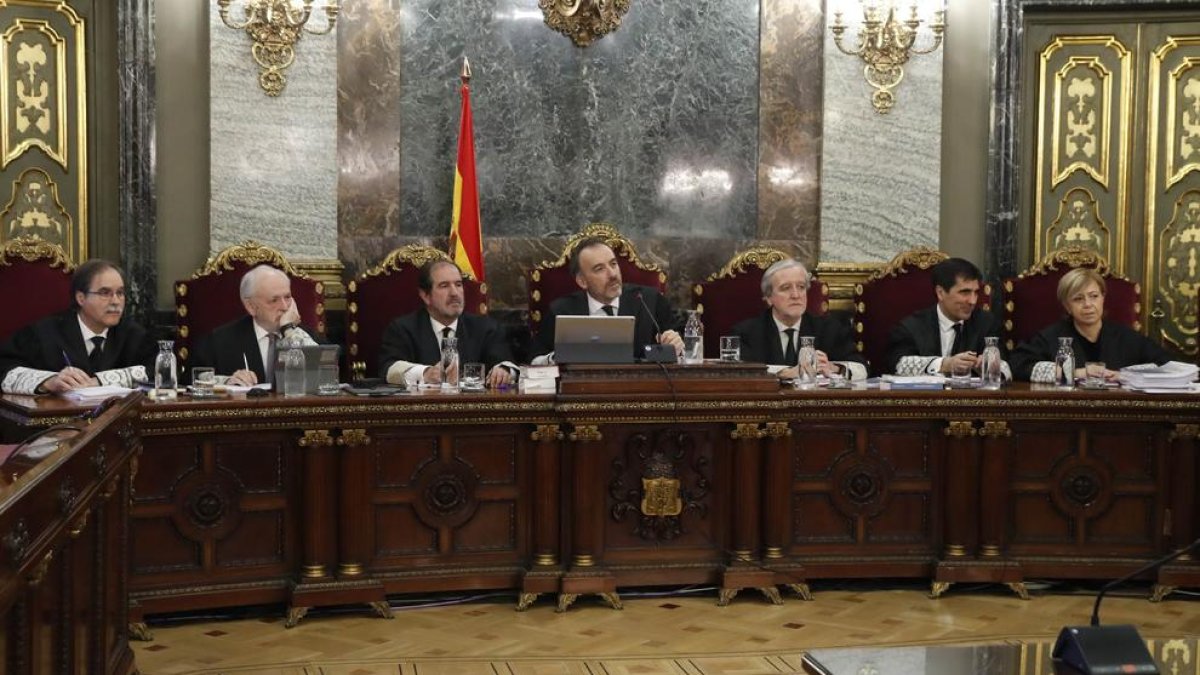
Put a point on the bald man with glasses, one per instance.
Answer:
(93, 343)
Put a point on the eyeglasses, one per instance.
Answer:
(108, 293)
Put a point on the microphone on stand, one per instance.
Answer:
(1100, 650)
(656, 353)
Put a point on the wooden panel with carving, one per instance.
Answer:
(450, 497)
(1096, 491)
(218, 507)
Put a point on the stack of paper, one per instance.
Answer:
(538, 380)
(1171, 376)
(89, 395)
(914, 381)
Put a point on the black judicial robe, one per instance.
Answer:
(918, 334)
(1117, 346)
(644, 329)
(761, 342)
(411, 338)
(48, 343)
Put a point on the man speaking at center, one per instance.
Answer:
(594, 266)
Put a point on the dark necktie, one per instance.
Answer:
(97, 351)
(789, 354)
(608, 309)
(445, 334)
(959, 345)
(269, 366)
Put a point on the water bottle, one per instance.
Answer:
(166, 378)
(292, 366)
(1064, 364)
(693, 338)
(991, 366)
(807, 362)
(450, 364)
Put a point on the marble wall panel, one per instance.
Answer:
(368, 155)
(789, 135)
(652, 128)
(274, 175)
(881, 174)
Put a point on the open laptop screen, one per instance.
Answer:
(593, 339)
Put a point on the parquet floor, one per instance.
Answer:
(677, 634)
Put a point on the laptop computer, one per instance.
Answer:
(593, 339)
(315, 356)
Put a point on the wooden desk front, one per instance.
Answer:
(318, 501)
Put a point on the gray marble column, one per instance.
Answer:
(137, 209)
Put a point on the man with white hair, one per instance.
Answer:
(773, 337)
(244, 349)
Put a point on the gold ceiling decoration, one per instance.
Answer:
(275, 26)
(584, 21)
(885, 45)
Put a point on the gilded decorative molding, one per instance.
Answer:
(761, 257)
(777, 429)
(16, 542)
(352, 438)
(1178, 271)
(921, 257)
(34, 99)
(524, 600)
(294, 615)
(583, 560)
(1078, 223)
(619, 243)
(35, 211)
(1019, 588)
(314, 572)
(995, 429)
(316, 438)
(937, 588)
(350, 570)
(960, 429)
(584, 21)
(382, 609)
(328, 275)
(801, 590)
(413, 255)
(274, 26)
(885, 44)
(545, 433)
(32, 249)
(585, 433)
(746, 431)
(1069, 257)
(38, 574)
(565, 600)
(138, 630)
(249, 253)
(1185, 432)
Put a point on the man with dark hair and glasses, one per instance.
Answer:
(90, 344)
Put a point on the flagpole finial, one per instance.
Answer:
(466, 71)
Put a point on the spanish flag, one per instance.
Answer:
(466, 235)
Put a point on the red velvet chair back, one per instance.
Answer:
(37, 277)
(551, 279)
(734, 294)
(890, 294)
(1031, 299)
(387, 291)
(212, 296)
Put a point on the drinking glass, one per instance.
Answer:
(203, 380)
(472, 377)
(327, 380)
(960, 374)
(731, 348)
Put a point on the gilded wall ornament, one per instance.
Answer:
(275, 26)
(885, 45)
(584, 21)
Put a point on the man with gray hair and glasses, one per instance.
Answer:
(244, 349)
(93, 343)
(773, 337)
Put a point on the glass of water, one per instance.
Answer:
(203, 380)
(327, 380)
(472, 377)
(731, 348)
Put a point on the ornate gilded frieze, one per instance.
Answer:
(43, 124)
(656, 480)
(1085, 99)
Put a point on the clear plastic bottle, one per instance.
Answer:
(693, 338)
(450, 364)
(292, 365)
(1064, 364)
(166, 377)
(807, 362)
(991, 365)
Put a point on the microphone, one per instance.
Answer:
(1098, 650)
(656, 353)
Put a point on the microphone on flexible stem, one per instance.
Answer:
(656, 353)
(1099, 650)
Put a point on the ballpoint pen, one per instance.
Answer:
(245, 361)
(67, 359)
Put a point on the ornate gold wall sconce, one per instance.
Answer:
(275, 26)
(584, 21)
(885, 45)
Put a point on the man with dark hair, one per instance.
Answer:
(773, 337)
(244, 349)
(411, 352)
(952, 331)
(88, 345)
(594, 266)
